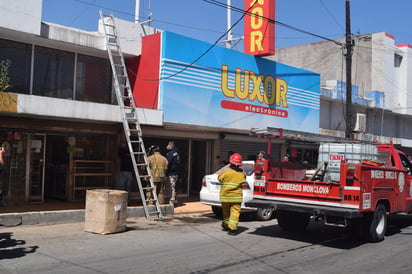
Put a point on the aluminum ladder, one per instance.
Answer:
(130, 119)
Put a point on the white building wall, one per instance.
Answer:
(21, 15)
(72, 36)
(383, 76)
(130, 35)
(408, 78)
(405, 80)
(401, 71)
(61, 108)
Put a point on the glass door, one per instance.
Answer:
(36, 175)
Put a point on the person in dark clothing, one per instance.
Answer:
(126, 169)
(1, 160)
(1, 170)
(173, 170)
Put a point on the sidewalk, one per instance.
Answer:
(191, 207)
(65, 212)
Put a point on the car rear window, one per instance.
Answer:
(248, 168)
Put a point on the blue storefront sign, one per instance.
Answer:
(211, 86)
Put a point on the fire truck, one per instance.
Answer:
(356, 185)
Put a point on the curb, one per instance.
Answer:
(65, 216)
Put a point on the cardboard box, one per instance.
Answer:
(106, 211)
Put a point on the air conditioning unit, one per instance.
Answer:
(360, 125)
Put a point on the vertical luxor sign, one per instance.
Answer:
(258, 31)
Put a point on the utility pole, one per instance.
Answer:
(229, 25)
(349, 45)
(137, 12)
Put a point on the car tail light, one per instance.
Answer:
(204, 181)
(245, 186)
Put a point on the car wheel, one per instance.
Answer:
(264, 214)
(217, 211)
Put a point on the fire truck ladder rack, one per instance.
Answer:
(270, 132)
(130, 119)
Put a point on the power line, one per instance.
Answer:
(102, 7)
(330, 14)
(244, 13)
(220, 4)
(80, 14)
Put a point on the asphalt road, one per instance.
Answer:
(196, 244)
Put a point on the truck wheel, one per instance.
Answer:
(217, 211)
(264, 214)
(294, 221)
(378, 224)
(283, 219)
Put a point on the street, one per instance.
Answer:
(196, 244)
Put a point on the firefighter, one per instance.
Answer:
(158, 168)
(231, 193)
(260, 164)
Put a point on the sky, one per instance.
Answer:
(203, 20)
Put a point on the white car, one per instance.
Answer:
(209, 194)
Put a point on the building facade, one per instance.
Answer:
(61, 125)
(381, 90)
(59, 120)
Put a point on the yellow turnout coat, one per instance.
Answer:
(231, 190)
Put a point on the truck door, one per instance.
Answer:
(404, 183)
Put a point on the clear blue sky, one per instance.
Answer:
(204, 21)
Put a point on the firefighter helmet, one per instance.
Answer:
(153, 149)
(236, 159)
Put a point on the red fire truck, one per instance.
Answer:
(356, 185)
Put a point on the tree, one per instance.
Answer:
(4, 75)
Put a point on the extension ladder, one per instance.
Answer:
(131, 123)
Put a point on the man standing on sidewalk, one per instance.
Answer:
(1, 171)
(173, 169)
(126, 169)
(158, 166)
(1, 160)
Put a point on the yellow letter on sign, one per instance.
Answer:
(8, 102)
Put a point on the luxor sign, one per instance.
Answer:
(258, 31)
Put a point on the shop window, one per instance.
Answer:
(92, 164)
(19, 55)
(93, 79)
(53, 73)
(13, 180)
(90, 148)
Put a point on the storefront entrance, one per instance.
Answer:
(194, 161)
(24, 158)
(56, 167)
(41, 167)
(37, 148)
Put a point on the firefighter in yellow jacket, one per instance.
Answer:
(231, 194)
(158, 167)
